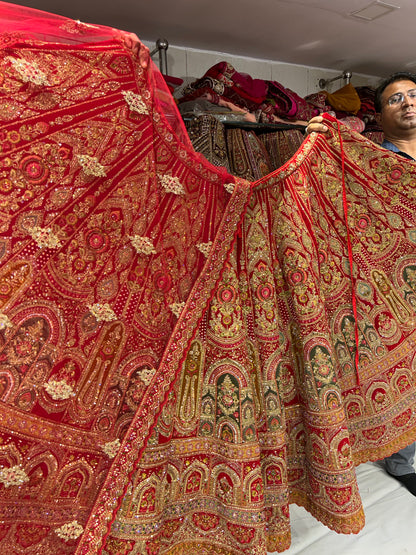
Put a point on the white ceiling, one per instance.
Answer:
(318, 33)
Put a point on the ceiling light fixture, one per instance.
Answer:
(374, 10)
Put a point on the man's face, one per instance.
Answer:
(398, 117)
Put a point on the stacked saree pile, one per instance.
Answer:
(184, 353)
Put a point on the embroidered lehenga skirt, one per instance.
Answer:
(185, 353)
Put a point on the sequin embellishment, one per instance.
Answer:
(135, 102)
(70, 531)
(102, 312)
(172, 184)
(91, 165)
(143, 245)
(44, 237)
(205, 248)
(29, 71)
(59, 389)
(13, 476)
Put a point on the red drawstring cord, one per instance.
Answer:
(350, 258)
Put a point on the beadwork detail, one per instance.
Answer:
(13, 476)
(70, 531)
(143, 245)
(4, 322)
(29, 71)
(102, 312)
(135, 102)
(205, 248)
(229, 187)
(91, 165)
(172, 184)
(44, 237)
(59, 389)
(111, 448)
(177, 308)
(147, 374)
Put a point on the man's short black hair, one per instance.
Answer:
(398, 76)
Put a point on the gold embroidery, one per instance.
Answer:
(135, 102)
(76, 27)
(29, 71)
(13, 476)
(177, 308)
(111, 448)
(146, 375)
(205, 248)
(45, 237)
(102, 312)
(172, 184)
(70, 531)
(143, 245)
(59, 389)
(229, 187)
(91, 166)
(5, 322)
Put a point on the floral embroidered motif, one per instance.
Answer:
(205, 248)
(70, 531)
(91, 165)
(143, 245)
(135, 102)
(172, 184)
(13, 476)
(177, 308)
(59, 389)
(229, 187)
(76, 27)
(111, 448)
(4, 322)
(44, 237)
(147, 374)
(29, 71)
(102, 312)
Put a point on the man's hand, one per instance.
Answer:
(140, 50)
(315, 125)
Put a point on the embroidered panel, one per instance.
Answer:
(180, 357)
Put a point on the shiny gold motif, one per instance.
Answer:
(143, 245)
(102, 312)
(172, 184)
(111, 448)
(76, 27)
(13, 476)
(229, 187)
(91, 165)
(44, 237)
(177, 308)
(401, 310)
(205, 248)
(146, 375)
(135, 102)
(5, 322)
(59, 389)
(102, 361)
(29, 71)
(70, 531)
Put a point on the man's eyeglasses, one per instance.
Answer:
(398, 98)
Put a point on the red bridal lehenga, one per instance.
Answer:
(182, 353)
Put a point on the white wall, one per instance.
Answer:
(190, 64)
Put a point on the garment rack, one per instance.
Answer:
(345, 75)
(161, 47)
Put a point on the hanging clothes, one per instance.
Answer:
(184, 353)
